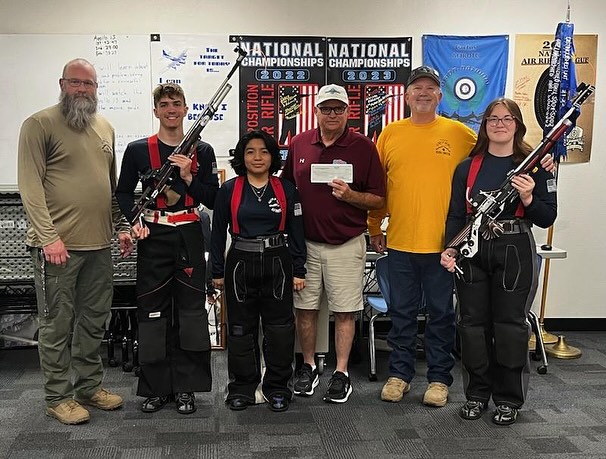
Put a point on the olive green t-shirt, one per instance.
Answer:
(66, 179)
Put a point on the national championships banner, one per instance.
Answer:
(531, 81)
(279, 80)
(473, 71)
(373, 71)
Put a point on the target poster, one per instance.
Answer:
(473, 71)
(199, 64)
(373, 71)
(279, 80)
(531, 80)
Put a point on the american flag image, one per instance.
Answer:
(383, 104)
(296, 109)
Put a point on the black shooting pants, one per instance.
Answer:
(259, 285)
(174, 342)
(494, 298)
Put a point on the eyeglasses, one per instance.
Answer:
(76, 83)
(338, 110)
(493, 121)
(428, 90)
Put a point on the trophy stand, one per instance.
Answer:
(561, 350)
(558, 347)
(548, 338)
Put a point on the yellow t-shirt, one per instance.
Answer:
(419, 161)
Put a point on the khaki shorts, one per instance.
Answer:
(334, 273)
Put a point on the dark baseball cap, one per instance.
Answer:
(424, 72)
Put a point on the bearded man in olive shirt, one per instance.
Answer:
(67, 175)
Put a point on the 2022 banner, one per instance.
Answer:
(279, 80)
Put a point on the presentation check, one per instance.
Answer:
(324, 173)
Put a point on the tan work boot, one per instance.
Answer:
(436, 394)
(104, 400)
(394, 389)
(68, 412)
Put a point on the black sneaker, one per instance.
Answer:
(186, 402)
(505, 415)
(307, 381)
(472, 410)
(339, 388)
(153, 404)
(277, 402)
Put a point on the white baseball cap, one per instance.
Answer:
(332, 92)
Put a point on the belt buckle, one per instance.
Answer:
(271, 241)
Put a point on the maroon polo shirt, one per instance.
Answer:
(326, 219)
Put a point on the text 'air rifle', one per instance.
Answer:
(161, 178)
(487, 206)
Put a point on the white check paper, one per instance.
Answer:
(324, 173)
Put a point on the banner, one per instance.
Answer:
(199, 64)
(473, 71)
(373, 72)
(562, 84)
(279, 80)
(531, 83)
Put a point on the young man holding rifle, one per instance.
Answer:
(173, 323)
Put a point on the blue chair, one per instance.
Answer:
(380, 306)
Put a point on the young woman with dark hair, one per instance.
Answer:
(264, 264)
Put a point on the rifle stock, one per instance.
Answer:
(487, 206)
(161, 178)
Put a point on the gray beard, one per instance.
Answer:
(79, 110)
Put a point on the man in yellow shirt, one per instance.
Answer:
(419, 155)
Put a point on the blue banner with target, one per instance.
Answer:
(473, 72)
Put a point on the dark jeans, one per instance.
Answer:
(410, 276)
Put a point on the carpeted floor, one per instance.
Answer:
(565, 416)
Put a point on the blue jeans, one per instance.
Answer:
(411, 275)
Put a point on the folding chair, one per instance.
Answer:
(539, 351)
(538, 354)
(380, 305)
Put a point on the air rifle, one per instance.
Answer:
(487, 206)
(160, 179)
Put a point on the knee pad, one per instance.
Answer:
(193, 330)
(241, 356)
(511, 345)
(474, 347)
(152, 340)
(279, 343)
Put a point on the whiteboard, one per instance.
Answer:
(31, 65)
(30, 68)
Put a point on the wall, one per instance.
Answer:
(576, 285)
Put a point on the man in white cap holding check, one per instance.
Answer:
(334, 216)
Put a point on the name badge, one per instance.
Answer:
(552, 185)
